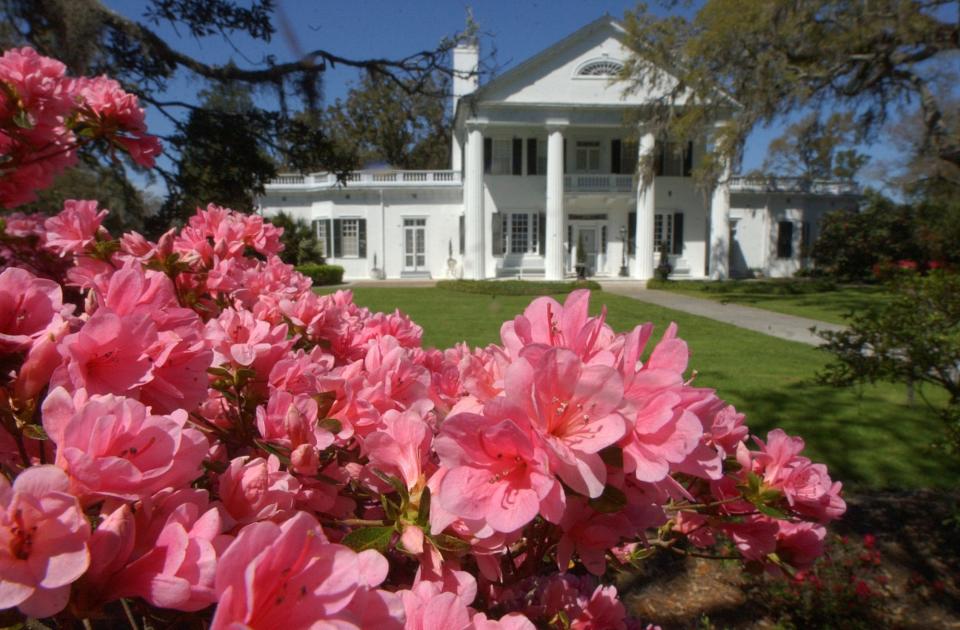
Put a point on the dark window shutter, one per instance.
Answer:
(564, 155)
(785, 239)
(532, 156)
(678, 233)
(328, 246)
(362, 237)
(569, 239)
(517, 156)
(688, 160)
(542, 232)
(463, 235)
(603, 239)
(658, 152)
(315, 224)
(805, 239)
(615, 150)
(487, 154)
(631, 233)
(337, 249)
(498, 220)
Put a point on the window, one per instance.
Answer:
(322, 232)
(674, 159)
(663, 232)
(629, 152)
(588, 157)
(785, 239)
(463, 235)
(542, 157)
(521, 233)
(502, 162)
(350, 237)
(600, 68)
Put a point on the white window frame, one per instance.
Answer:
(513, 246)
(323, 238)
(501, 162)
(663, 231)
(345, 225)
(587, 156)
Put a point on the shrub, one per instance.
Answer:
(322, 275)
(516, 287)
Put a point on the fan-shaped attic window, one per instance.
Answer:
(600, 68)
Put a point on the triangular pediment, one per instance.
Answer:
(575, 71)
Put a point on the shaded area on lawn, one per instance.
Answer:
(868, 438)
(815, 299)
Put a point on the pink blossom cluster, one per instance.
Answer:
(203, 432)
(45, 116)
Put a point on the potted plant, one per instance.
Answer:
(581, 265)
(662, 272)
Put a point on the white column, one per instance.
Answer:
(553, 259)
(720, 227)
(644, 263)
(473, 224)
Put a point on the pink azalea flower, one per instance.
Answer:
(43, 541)
(75, 228)
(257, 490)
(496, 471)
(112, 446)
(29, 308)
(285, 576)
(573, 408)
(590, 534)
(108, 354)
(401, 448)
(602, 612)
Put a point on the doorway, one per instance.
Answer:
(414, 245)
(587, 236)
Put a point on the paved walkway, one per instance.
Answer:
(789, 327)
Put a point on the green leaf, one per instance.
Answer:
(377, 538)
(612, 500)
(423, 512)
(219, 372)
(330, 424)
(771, 511)
(612, 456)
(22, 119)
(35, 432)
(395, 483)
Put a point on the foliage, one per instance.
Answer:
(913, 339)
(817, 149)
(852, 244)
(756, 61)
(300, 244)
(845, 588)
(762, 287)
(322, 275)
(402, 125)
(516, 287)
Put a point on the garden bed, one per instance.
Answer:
(516, 287)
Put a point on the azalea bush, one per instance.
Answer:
(191, 435)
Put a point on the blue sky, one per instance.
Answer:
(382, 28)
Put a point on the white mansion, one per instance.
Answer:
(543, 164)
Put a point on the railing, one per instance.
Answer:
(598, 183)
(793, 185)
(368, 178)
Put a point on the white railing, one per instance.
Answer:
(367, 178)
(793, 185)
(598, 183)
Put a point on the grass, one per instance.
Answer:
(820, 300)
(869, 437)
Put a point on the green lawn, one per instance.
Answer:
(816, 300)
(868, 437)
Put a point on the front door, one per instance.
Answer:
(414, 244)
(587, 238)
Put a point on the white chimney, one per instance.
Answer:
(466, 64)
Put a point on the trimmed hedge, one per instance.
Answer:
(786, 286)
(322, 274)
(515, 287)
